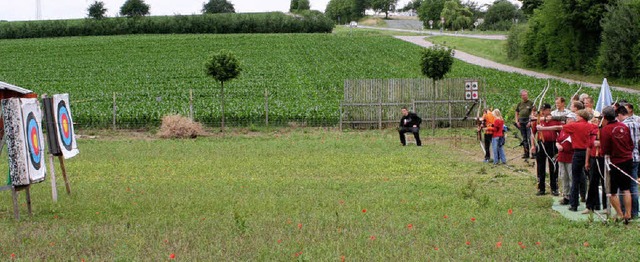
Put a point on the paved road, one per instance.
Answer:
(436, 33)
(471, 59)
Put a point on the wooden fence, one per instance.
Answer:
(376, 103)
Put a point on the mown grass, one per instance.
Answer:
(495, 50)
(303, 194)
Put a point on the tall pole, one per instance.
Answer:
(38, 10)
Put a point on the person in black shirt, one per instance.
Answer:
(410, 122)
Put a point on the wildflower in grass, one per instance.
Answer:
(13, 255)
(166, 241)
(299, 225)
(499, 244)
(538, 243)
(436, 248)
(473, 219)
(520, 243)
(410, 226)
(52, 243)
(342, 258)
(172, 256)
(341, 202)
(510, 211)
(372, 237)
(279, 241)
(445, 216)
(522, 246)
(55, 216)
(364, 211)
(468, 243)
(586, 244)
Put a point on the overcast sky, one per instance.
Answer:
(15, 10)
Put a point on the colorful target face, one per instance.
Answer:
(33, 141)
(64, 125)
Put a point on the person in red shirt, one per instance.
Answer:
(565, 156)
(617, 146)
(498, 139)
(580, 132)
(545, 150)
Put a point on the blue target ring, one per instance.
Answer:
(34, 143)
(65, 126)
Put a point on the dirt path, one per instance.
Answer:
(471, 59)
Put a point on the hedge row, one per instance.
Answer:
(276, 22)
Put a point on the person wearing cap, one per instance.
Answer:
(580, 132)
(523, 113)
(565, 156)
(624, 116)
(615, 139)
(545, 150)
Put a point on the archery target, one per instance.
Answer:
(474, 95)
(64, 125)
(467, 95)
(33, 138)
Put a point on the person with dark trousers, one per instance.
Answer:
(487, 120)
(580, 132)
(523, 112)
(410, 122)
(545, 151)
(626, 117)
(615, 140)
(594, 166)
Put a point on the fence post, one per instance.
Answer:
(449, 113)
(380, 113)
(340, 116)
(114, 110)
(191, 104)
(266, 106)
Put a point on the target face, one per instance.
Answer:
(64, 125)
(34, 144)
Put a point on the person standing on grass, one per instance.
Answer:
(410, 122)
(565, 156)
(580, 132)
(615, 139)
(523, 113)
(545, 151)
(487, 119)
(634, 129)
(594, 167)
(498, 140)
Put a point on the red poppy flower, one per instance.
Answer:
(468, 243)
(436, 248)
(538, 243)
(510, 211)
(279, 241)
(299, 225)
(586, 244)
(473, 219)
(499, 244)
(364, 211)
(520, 243)
(372, 237)
(445, 216)
(172, 256)
(410, 226)
(342, 258)
(13, 255)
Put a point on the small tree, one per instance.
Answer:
(134, 8)
(304, 5)
(97, 10)
(436, 62)
(384, 6)
(223, 67)
(293, 7)
(218, 6)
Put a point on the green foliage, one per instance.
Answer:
(308, 22)
(501, 16)
(436, 61)
(475, 9)
(515, 41)
(456, 16)
(412, 5)
(223, 66)
(343, 11)
(528, 6)
(565, 35)
(620, 49)
(217, 7)
(304, 5)
(134, 8)
(431, 10)
(97, 10)
(293, 6)
(384, 6)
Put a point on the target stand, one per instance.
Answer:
(15, 190)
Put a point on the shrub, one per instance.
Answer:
(515, 41)
(177, 126)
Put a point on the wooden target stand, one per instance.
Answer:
(15, 190)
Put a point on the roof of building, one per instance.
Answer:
(10, 87)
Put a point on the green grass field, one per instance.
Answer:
(299, 194)
(304, 74)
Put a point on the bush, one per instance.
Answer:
(620, 48)
(229, 23)
(515, 41)
(177, 126)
